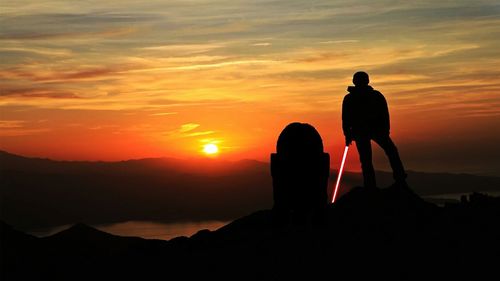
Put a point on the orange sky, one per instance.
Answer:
(113, 80)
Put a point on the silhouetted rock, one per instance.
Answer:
(7, 233)
(81, 231)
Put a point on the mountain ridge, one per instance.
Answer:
(50, 193)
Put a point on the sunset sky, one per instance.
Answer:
(114, 80)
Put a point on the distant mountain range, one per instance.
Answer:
(38, 192)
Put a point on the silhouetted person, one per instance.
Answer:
(300, 171)
(365, 117)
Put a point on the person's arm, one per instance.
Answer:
(386, 122)
(347, 120)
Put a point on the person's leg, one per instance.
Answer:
(364, 147)
(385, 142)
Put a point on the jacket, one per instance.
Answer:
(364, 112)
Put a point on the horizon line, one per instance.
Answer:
(224, 160)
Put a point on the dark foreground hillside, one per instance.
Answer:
(389, 234)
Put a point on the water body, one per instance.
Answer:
(167, 231)
(442, 199)
(144, 229)
(456, 196)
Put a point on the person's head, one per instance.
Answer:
(360, 78)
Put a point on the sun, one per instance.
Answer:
(210, 149)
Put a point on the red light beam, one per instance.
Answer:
(340, 174)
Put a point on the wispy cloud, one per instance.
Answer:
(29, 93)
(163, 113)
(184, 49)
(196, 134)
(91, 35)
(10, 124)
(222, 64)
(16, 128)
(188, 127)
(339, 41)
(38, 51)
(262, 44)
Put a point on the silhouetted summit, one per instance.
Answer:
(79, 231)
(387, 234)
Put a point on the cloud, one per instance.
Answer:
(184, 49)
(27, 93)
(91, 35)
(339, 41)
(188, 127)
(43, 25)
(99, 73)
(262, 44)
(10, 124)
(163, 113)
(40, 74)
(55, 52)
(196, 134)
(16, 128)
(22, 132)
(188, 130)
(222, 64)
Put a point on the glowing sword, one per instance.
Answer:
(340, 173)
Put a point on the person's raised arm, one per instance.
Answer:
(347, 121)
